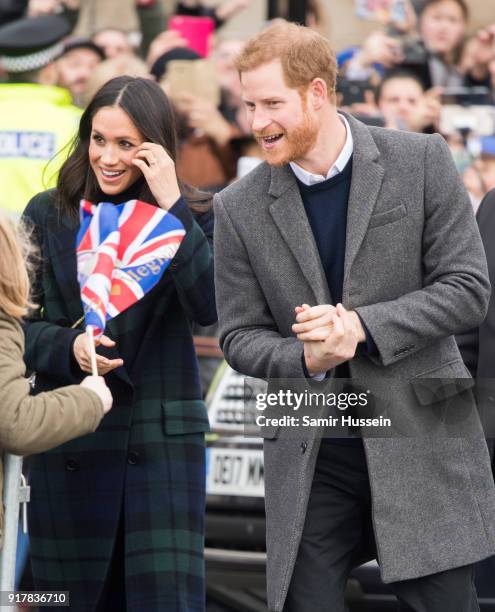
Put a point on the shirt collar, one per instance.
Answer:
(308, 178)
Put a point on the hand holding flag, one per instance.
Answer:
(82, 352)
(122, 253)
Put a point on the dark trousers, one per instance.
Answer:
(338, 533)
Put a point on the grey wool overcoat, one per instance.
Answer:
(415, 271)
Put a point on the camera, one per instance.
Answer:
(414, 52)
(352, 92)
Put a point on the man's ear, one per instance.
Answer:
(318, 93)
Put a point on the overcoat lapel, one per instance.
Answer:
(367, 177)
(290, 217)
(288, 213)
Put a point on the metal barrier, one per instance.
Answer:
(15, 492)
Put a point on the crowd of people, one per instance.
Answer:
(160, 118)
(431, 74)
(428, 73)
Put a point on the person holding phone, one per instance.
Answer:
(127, 533)
(34, 424)
(435, 52)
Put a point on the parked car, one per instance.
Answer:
(235, 517)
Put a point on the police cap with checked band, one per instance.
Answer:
(32, 42)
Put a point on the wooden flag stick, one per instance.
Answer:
(92, 350)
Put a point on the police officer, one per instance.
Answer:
(37, 119)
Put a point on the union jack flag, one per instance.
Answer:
(122, 252)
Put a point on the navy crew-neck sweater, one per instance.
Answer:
(326, 207)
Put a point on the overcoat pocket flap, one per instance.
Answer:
(184, 417)
(441, 383)
(269, 432)
(387, 216)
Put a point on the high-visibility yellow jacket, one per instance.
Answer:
(36, 123)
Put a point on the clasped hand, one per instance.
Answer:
(330, 335)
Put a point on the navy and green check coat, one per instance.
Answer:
(146, 459)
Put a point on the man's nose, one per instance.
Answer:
(260, 121)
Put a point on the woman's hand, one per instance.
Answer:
(158, 169)
(98, 385)
(83, 358)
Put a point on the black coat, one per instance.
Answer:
(478, 345)
(145, 463)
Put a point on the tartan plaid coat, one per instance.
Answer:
(147, 456)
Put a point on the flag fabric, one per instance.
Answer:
(123, 251)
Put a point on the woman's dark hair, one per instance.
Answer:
(151, 112)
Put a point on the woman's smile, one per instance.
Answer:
(110, 176)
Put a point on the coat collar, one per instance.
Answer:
(288, 212)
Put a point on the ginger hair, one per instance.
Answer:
(303, 53)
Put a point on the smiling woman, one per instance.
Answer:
(127, 533)
(126, 128)
(114, 143)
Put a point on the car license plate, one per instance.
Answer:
(235, 471)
